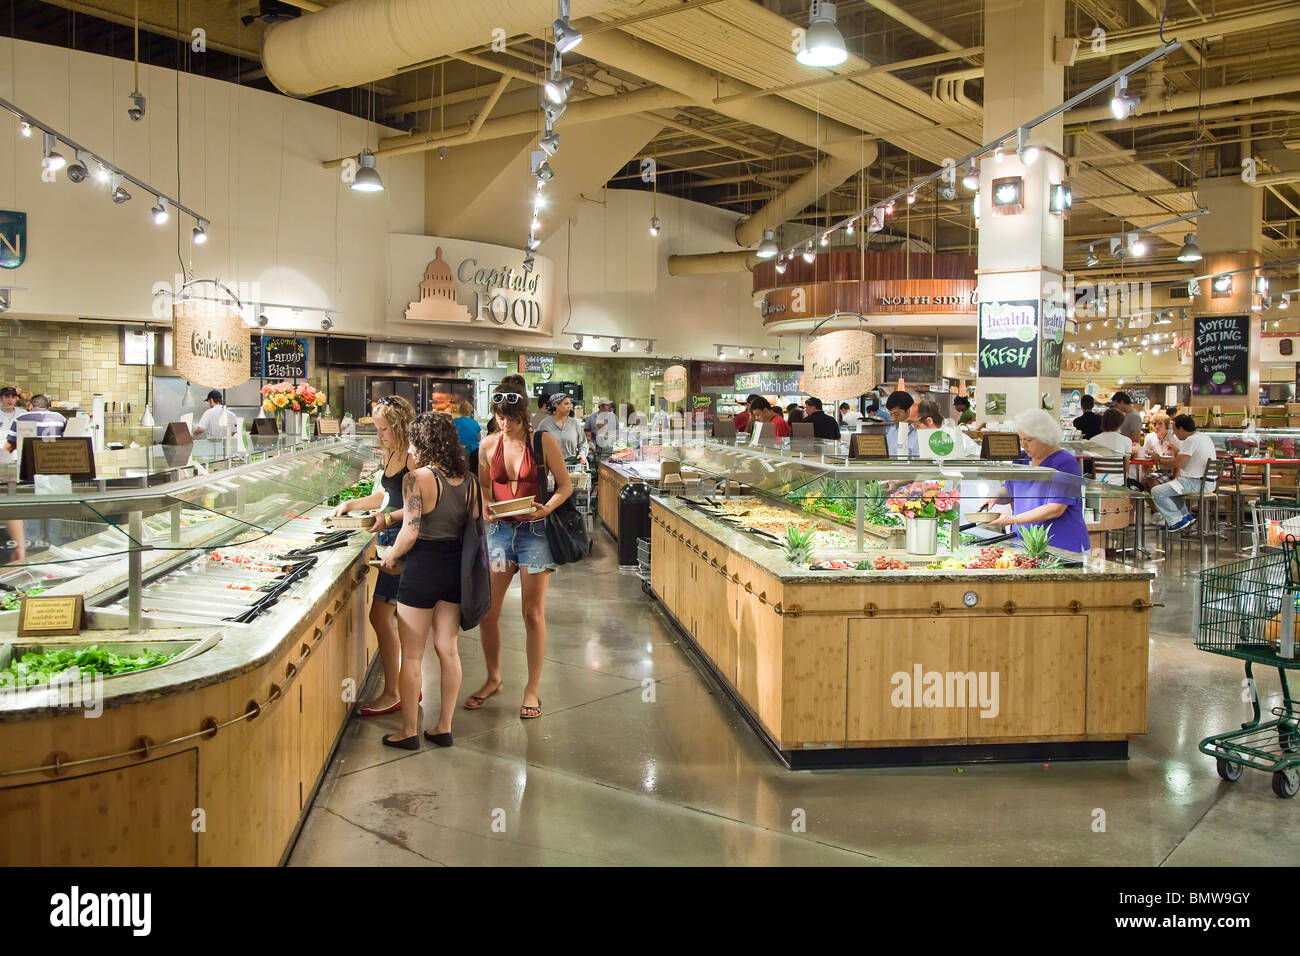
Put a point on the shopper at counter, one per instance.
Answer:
(217, 422)
(763, 412)
(468, 429)
(823, 425)
(1190, 463)
(561, 423)
(1089, 423)
(899, 405)
(849, 418)
(438, 498)
(507, 470)
(1057, 504)
(392, 416)
(602, 425)
(49, 424)
(742, 419)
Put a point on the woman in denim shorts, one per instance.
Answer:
(507, 470)
(393, 416)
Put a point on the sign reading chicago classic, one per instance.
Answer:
(503, 296)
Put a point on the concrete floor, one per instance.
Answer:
(609, 776)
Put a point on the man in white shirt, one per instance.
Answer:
(216, 422)
(602, 424)
(1195, 452)
(849, 418)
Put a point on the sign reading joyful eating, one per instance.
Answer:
(1221, 360)
(1008, 346)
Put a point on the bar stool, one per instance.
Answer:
(1240, 489)
(1204, 501)
(1116, 513)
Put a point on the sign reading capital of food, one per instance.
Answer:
(1008, 339)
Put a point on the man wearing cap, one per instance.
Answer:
(602, 424)
(216, 422)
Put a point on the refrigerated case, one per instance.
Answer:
(424, 392)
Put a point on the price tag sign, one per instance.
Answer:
(74, 457)
(869, 446)
(50, 616)
(1000, 446)
(327, 426)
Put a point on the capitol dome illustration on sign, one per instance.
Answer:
(438, 295)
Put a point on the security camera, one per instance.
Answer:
(442, 152)
(327, 323)
(263, 321)
(77, 172)
(616, 346)
(136, 109)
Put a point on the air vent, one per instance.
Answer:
(1179, 291)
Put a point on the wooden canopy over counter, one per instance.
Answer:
(898, 667)
(208, 762)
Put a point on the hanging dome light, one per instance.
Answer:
(823, 45)
(367, 179)
(767, 248)
(1190, 252)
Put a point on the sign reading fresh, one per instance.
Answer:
(1008, 346)
(1221, 355)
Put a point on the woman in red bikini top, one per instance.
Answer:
(503, 489)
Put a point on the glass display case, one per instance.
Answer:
(833, 510)
(1262, 443)
(219, 546)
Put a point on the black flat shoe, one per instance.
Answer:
(442, 740)
(406, 743)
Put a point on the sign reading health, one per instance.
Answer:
(1008, 339)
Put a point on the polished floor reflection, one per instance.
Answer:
(637, 761)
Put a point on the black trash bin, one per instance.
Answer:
(633, 520)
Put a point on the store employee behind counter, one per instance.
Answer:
(1057, 504)
(823, 425)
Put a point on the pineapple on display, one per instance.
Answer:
(1034, 540)
(799, 544)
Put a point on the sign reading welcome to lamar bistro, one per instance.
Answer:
(1008, 346)
(1221, 355)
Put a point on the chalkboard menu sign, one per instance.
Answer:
(1053, 338)
(1008, 342)
(703, 408)
(284, 357)
(1221, 355)
(911, 366)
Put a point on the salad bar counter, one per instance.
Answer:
(843, 648)
(222, 645)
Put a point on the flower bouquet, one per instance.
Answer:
(287, 397)
(922, 504)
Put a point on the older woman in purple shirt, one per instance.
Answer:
(1056, 504)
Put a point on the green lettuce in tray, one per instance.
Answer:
(37, 668)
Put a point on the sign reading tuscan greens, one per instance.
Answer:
(1221, 355)
(1053, 338)
(1008, 341)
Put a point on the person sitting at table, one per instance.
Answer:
(1111, 439)
(1193, 457)
(1056, 504)
(1161, 446)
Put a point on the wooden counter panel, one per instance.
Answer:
(1118, 660)
(880, 708)
(131, 816)
(1041, 663)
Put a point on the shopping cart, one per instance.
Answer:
(1272, 522)
(1247, 610)
(643, 563)
(583, 499)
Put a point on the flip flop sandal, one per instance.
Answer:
(373, 712)
(525, 707)
(481, 700)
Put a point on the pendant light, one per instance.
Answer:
(767, 249)
(1190, 251)
(823, 45)
(367, 179)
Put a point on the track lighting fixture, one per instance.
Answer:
(102, 175)
(972, 178)
(1122, 104)
(780, 267)
(826, 239)
(911, 198)
(566, 38)
(557, 84)
(655, 225)
(1190, 251)
(533, 242)
(1285, 301)
(767, 248)
(263, 320)
(200, 233)
(616, 346)
(544, 172)
(53, 162)
(809, 255)
(1261, 285)
(367, 179)
(327, 323)
(442, 152)
(848, 230)
(550, 143)
(119, 193)
(823, 44)
(554, 111)
(530, 261)
(577, 344)
(136, 109)
(1223, 284)
(1028, 153)
(948, 192)
(25, 128)
(160, 212)
(1136, 244)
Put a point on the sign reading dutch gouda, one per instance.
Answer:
(674, 383)
(211, 343)
(839, 364)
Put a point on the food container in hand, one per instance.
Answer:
(355, 519)
(378, 559)
(511, 507)
(979, 517)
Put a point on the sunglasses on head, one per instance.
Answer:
(386, 400)
(508, 398)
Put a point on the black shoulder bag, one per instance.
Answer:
(475, 571)
(566, 532)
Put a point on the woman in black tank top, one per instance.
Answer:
(393, 417)
(438, 498)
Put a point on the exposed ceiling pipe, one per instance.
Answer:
(359, 41)
(895, 12)
(591, 110)
(1219, 94)
(1183, 116)
(712, 263)
(851, 152)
